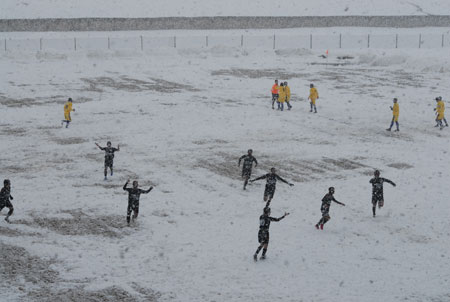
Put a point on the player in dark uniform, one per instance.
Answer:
(272, 178)
(247, 166)
(325, 208)
(133, 199)
(377, 190)
(5, 198)
(109, 156)
(263, 234)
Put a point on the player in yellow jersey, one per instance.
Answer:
(287, 90)
(313, 96)
(281, 96)
(395, 113)
(67, 110)
(440, 110)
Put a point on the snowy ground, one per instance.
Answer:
(10, 9)
(183, 118)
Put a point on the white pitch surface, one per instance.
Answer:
(183, 118)
(11, 9)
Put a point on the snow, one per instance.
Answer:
(11, 9)
(183, 117)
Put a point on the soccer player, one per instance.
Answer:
(263, 234)
(325, 208)
(440, 110)
(281, 97)
(269, 190)
(5, 198)
(274, 93)
(395, 113)
(288, 95)
(109, 156)
(134, 194)
(67, 110)
(377, 190)
(313, 96)
(247, 166)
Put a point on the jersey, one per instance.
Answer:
(271, 179)
(248, 161)
(377, 186)
(326, 203)
(68, 107)
(281, 94)
(5, 197)
(264, 222)
(396, 110)
(440, 109)
(313, 93)
(134, 195)
(275, 89)
(288, 93)
(109, 153)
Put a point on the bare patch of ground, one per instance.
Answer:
(18, 266)
(111, 226)
(13, 131)
(38, 101)
(400, 166)
(135, 85)
(225, 164)
(15, 233)
(258, 73)
(69, 140)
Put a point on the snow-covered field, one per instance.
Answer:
(11, 9)
(183, 118)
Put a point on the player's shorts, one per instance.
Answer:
(67, 116)
(377, 200)
(395, 118)
(263, 236)
(132, 207)
(274, 96)
(246, 172)
(109, 162)
(325, 213)
(5, 203)
(269, 191)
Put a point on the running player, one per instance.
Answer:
(263, 234)
(67, 110)
(313, 96)
(440, 110)
(395, 113)
(325, 208)
(109, 156)
(269, 190)
(5, 198)
(287, 89)
(133, 199)
(274, 93)
(247, 166)
(377, 190)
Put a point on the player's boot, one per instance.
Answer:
(321, 226)
(262, 257)
(255, 257)
(317, 226)
(106, 178)
(388, 129)
(7, 219)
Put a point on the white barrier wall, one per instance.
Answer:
(290, 42)
(285, 41)
(58, 44)
(22, 44)
(230, 41)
